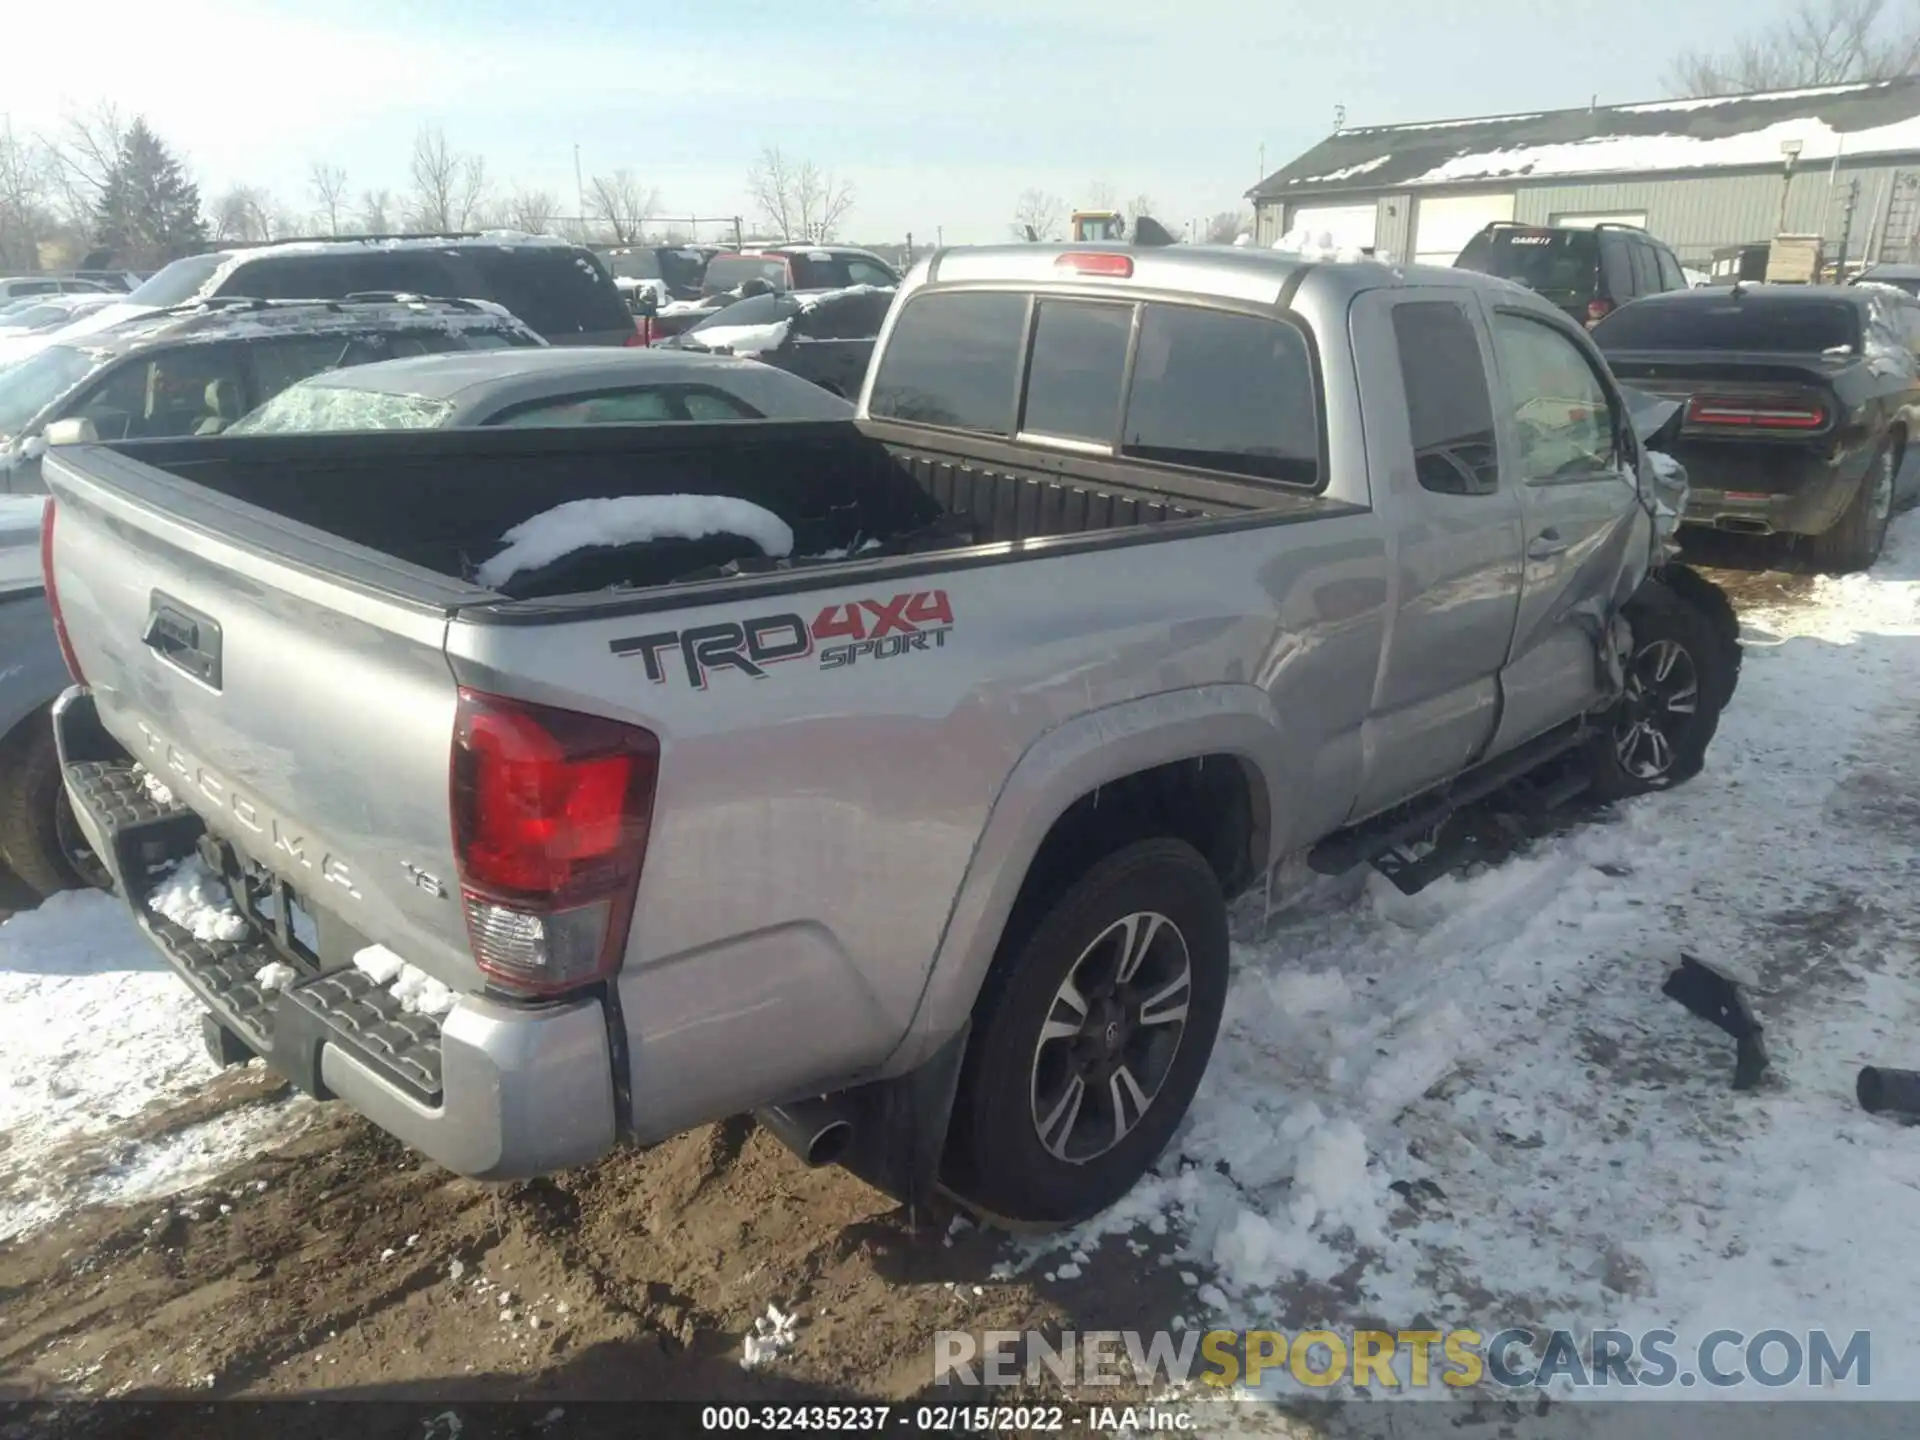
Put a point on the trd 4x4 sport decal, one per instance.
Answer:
(840, 635)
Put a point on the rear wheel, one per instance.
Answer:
(1091, 1038)
(1856, 539)
(39, 835)
(1678, 678)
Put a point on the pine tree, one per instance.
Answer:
(149, 212)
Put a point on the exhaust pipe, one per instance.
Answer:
(1889, 1092)
(818, 1131)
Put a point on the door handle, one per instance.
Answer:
(1546, 545)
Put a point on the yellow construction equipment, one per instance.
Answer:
(1099, 225)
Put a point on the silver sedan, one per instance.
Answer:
(560, 386)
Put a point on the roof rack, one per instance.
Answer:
(336, 303)
(217, 246)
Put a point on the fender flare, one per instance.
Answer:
(1061, 766)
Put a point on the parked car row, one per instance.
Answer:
(1799, 400)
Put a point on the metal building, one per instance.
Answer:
(1842, 161)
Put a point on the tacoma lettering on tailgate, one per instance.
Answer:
(839, 636)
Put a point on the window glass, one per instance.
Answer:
(30, 386)
(1224, 392)
(1078, 368)
(704, 404)
(1449, 407)
(412, 272)
(953, 360)
(292, 277)
(1646, 268)
(185, 390)
(179, 282)
(1671, 277)
(1559, 408)
(730, 272)
(1562, 265)
(1616, 266)
(302, 409)
(650, 405)
(865, 272)
(280, 363)
(844, 317)
(1778, 324)
(554, 290)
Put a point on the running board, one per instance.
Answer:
(1374, 838)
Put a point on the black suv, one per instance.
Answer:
(560, 290)
(1588, 271)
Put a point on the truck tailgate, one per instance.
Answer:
(290, 689)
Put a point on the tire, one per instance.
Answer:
(1649, 741)
(38, 833)
(1708, 598)
(1856, 538)
(1158, 902)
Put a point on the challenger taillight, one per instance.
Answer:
(53, 594)
(1755, 414)
(551, 813)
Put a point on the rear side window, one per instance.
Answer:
(846, 317)
(1224, 392)
(1449, 403)
(296, 277)
(1646, 269)
(404, 272)
(1671, 277)
(953, 360)
(555, 291)
(1078, 368)
(1616, 267)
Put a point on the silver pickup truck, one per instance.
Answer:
(886, 778)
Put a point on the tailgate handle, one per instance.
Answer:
(184, 638)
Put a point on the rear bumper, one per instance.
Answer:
(1759, 490)
(490, 1090)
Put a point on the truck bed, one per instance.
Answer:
(440, 501)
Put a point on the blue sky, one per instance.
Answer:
(940, 114)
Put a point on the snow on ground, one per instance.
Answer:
(1568, 1146)
(626, 519)
(96, 1031)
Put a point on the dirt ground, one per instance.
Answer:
(341, 1265)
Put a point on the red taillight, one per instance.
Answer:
(53, 594)
(1755, 414)
(642, 332)
(1087, 262)
(1598, 310)
(551, 812)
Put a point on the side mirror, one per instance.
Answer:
(79, 431)
(643, 302)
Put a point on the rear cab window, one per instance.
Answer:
(1158, 382)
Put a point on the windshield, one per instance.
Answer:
(1552, 262)
(730, 272)
(35, 316)
(30, 386)
(1908, 283)
(308, 407)
(179, 282)
(1774, 327)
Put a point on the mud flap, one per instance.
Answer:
(900, 1128)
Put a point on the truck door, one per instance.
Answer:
(1562, 429)
(1453, 537)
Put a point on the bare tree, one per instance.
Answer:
(243, 212)
(1102, 196)
(1228, 226)
(622, 203)
(84, 157)
(1038, 214)
(449, 188)
(797, 200)
(376, 212)
(1136, 207)
(533, 211)
(26, 195)
(1823, 42)
(329, 186)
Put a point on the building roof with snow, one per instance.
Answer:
(1660, 137)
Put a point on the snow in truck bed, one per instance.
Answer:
(630, 519)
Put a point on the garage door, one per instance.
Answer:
(1347, 224)
(1443, 224)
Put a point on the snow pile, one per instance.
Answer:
(743, 339)
(154, 786)
(196, 900)
(275, 975)
(1318, 245)
(1242, 240)
(417, 991)
(97, 1030)
(772, 1337)
(629, 519)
